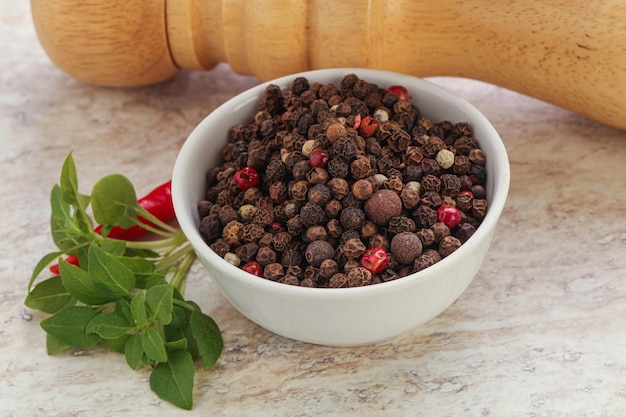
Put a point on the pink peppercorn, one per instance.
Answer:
(246, 178)
(448, 215)
(374, 260)
(318, 158)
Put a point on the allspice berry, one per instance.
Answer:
(406, 247)
(317, 251)
(382, 206)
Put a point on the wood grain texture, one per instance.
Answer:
(113, 42)
(569, 53)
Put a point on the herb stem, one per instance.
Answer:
(156, 221)
(178, 280)
(170, 258)
(168, 242)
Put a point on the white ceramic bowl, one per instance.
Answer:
(346, 316)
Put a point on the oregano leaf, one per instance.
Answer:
(69, 181)
(138, 310)
(179, 318)
(108, 326)
(55, 345)
(114, 201)
(157, 278)
(110, 275)
(69, 325)
(160, 301)
(176, 344)
(80, 285)
(154, 345)
(133, 351)
(122, 309)
(142, 268)
(114, 247)
(173, 380)
(49, 296)
(119, 344)
(208, 338)
(62, 225)
(41, 265)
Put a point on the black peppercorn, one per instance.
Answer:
(316, 232)
(448, 245)
(352, 218)
(426, 259)
(479, 208)
(361, 167)
(424, 216)
(410, 198)
(338, 168)
(265, 256)
(210, 227)
(426, 236)
(362, 189)
(464, 231)
(461, 165)
(399, 224)
(338, 187)
(353, 248)
(220, 247)
(273, 271)
(252, 232)
(311, 214)
(333, 208)
(479, 191)
(430, 167)
(291, 257)
(319, 194)
(338, 280)
(328, 268)
(317, 175)
(440, 231)
(299, 190)
(359, 276)
(247, 252)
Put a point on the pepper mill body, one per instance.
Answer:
(569, 53)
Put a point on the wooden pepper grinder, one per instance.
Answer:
(570, 53)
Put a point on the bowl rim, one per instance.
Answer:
(194, 142)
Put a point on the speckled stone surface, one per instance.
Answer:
(539, 332)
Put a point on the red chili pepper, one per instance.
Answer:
(157, 202)
(70, 259)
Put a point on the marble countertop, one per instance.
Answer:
(539, 332)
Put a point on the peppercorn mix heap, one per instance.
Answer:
(342, 186)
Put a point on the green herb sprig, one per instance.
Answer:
(126, 295)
